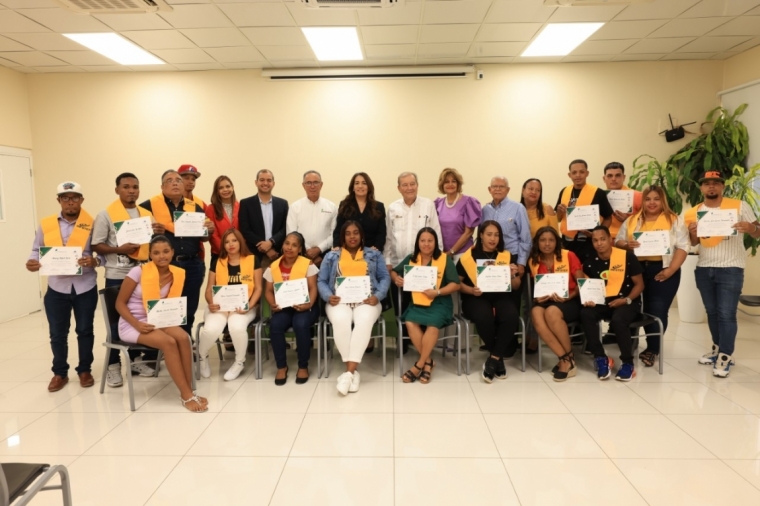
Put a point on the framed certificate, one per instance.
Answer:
(291, 293)
(190, 224)
(353, 289)
(716, 223)
(621, 200)
(230, 297)
(171, 312)
(495, 278)
(550, 284)
(419, 278)
(60, 261)
(652, 243)
(582, 217)
(134, 231)
(592, 290)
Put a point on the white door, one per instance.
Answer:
(21, 289)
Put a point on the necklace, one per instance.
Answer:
(455, 201)
(491, 255)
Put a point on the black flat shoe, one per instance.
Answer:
(300, 380)
(280, 382)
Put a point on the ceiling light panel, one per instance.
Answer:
(115, 47)
(559, 39)
(334, 43)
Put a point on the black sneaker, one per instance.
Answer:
(489, 370)
(501, 370)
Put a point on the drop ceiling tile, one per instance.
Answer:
(216, 37)
(712, 44)
(520, 11)
(454, 11)
(745, 25)
(7, 44)
(258, 14)
(105, 68)
(124, 22)
(747, 45)
(175, 2)
(46, 41)
(31, 58)
(81, 57)
(754, 12)
(322, 17)
(225, 55)
(586, 58)
(62, 69)
(627, 29)
(403, 34)
(689, 56)
(28, 4)
(539, 59)
(286, 53)
(508, 32)
(152, 68)
(496, 59)
(63, 21)
(405, 62)
(390, 51)
(659, 9)
(655, 46)
(442, 50)
(294, 64)
(25, 70)
(423, 62)
(8, 63)
(12, 22)
(604, 46)
(275, 36)
(695, 27)
(409, 14)
(160, 39)
(183, 55)
(488, 49)
(724, 56)
(638, 57)
(585, 14)
(199, 66)
(708, 8)
(196, 16)
(448, 33)
(246, 65)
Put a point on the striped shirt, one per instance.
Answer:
(730, 252)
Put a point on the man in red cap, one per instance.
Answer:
(189, 174)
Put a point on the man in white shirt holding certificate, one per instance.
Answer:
(313, 217)
(720, 268)
(617, 194)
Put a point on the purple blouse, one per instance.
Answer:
(466, 212)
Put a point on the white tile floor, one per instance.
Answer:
(681, 438)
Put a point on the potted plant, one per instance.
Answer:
(741, 186)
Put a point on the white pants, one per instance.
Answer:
(237, 324)
(351, 344)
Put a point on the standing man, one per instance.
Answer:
(580, 194)
(614, 178)
(314, 218)
(405, 218)
(262, 220)
(720, 269)
(120, 260)
(187, 250)
(72, 227)
(190, 175)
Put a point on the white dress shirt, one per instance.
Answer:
(314, 220)
(402, 224)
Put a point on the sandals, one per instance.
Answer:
(562, 376)
(648, 357)
(201, 407)
(425, 375)
(410, 377)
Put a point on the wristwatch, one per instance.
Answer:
(438, 293)
(628, 300)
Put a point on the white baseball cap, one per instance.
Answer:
(69, 187)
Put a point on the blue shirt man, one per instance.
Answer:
(513, 219)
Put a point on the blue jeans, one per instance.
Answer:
(301, 323)
(58, 307)
(658, 296)
(720, 288)
(195, 272)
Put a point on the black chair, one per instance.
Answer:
(111, 317)
(749, 301)
(24, 481)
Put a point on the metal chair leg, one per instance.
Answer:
(382, 330)
(524, 342)
(129, 380)
(105, 370)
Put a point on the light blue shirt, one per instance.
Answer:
(268, 216)
(515, 226)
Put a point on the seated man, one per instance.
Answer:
(624, 283)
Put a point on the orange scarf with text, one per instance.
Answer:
(52, 232)
(691, 217)
(584, 199)
(117, 213)
(150, 282)
(246, 272)
(162, 214)
(471, 266)
(420, 298)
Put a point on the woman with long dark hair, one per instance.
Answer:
(223, 212)
(539, 213)
(360, 206)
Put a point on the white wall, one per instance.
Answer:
(15, 130)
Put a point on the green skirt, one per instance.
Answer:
(439, 314)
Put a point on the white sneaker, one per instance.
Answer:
(355, 380)
(205, 367)
(722, 366)
(144, 370)
(344, 382)
(710, 358)
(234, 371)
(113, 376)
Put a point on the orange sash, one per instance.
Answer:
(117, 213)
(559, 266)
(615, 224)
(298, 271)
(151, 289)
(352, 266)
(691, 217)
(471, 266)
(52, 232)
(162, 214)
(420, 298)
(616, 273)
(246, 272)
(584, 199)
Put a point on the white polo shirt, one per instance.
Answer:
(314, 220)
(402, 224)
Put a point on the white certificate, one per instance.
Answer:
(716, 223)
(190, 224)
(291, 293)
(418, 278)
(621, 200)
(353, 289)
(134, 231)
(550, 284)
(171, 312)
(495, 278)
(230, 297)
(60, 261)
(592, 290)
(582, 217)
(653, 244)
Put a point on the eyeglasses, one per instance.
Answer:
(173, 181)
(66, 198)
(407, 186)
(498, 187)
(312, 183)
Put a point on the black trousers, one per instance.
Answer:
(620, 321)
(496, 318)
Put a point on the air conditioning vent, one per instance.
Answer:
(350, 4)
(582, 3)
(115, 6)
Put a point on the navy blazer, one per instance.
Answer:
(252, 223)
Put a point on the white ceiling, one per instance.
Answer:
(235, 34)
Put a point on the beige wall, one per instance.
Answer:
(14, 110)
(742, 68)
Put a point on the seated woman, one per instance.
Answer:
(551, 313)
(432, 309)
(292, 265)
(495, 314)
(234, 266)
(158, 279)
(352, 259)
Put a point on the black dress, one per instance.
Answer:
(374, 228)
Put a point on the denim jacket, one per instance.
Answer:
(378, 273)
